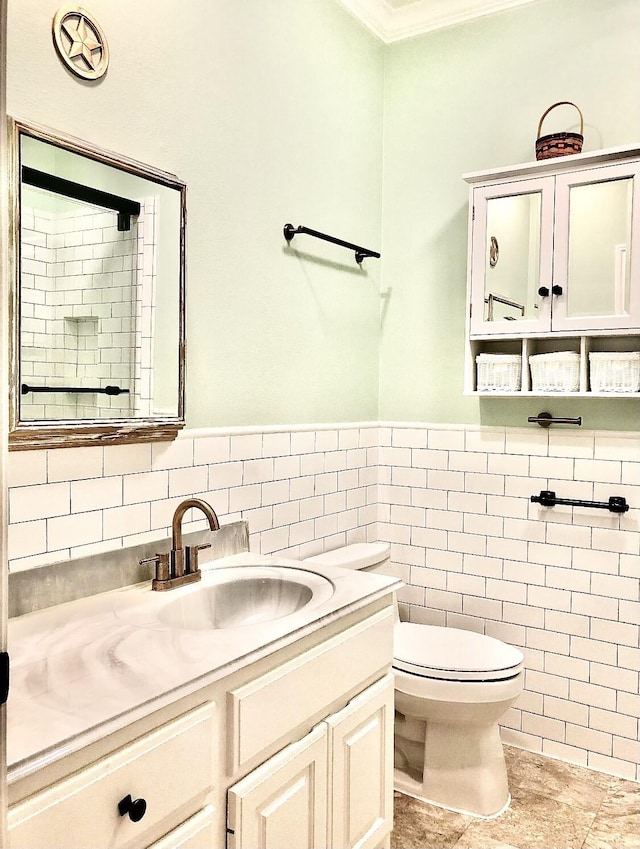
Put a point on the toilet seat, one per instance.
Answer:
(452, 654)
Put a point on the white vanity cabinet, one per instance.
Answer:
(291, 749)
(361, 770)
(196, 832)
(166, 776)
(283, 802)
(333, 788)
(554, 260)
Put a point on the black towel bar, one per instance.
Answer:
(290, 231)
(616, 503)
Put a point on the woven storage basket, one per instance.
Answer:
(559, 144)
(557, 372)
(615, 371)
(499, 372)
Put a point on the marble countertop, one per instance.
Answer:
(84, 669)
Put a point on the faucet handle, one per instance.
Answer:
(192, 556)
(162, 565)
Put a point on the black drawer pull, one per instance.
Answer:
(136, 808)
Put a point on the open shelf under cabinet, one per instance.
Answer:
(526, 347)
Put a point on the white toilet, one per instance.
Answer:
(451, 688)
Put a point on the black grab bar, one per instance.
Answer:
(106, 390)
(616, 503)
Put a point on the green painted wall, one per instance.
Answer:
(465, 99)
(271, 112)
(289, 110)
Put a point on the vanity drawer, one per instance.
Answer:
(170, 768)
(262, 712)
(197, 832)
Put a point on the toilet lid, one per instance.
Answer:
(433, 651)
(357, 555)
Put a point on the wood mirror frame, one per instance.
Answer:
(68, 432)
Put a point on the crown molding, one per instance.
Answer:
(395, 20)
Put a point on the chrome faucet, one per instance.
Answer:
(180, 565)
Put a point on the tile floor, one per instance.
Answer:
(553, 806)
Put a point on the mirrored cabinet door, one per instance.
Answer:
(511, 257)
(596, 267)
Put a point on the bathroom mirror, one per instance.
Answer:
(97, 307)
(512, 268)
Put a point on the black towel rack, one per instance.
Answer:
(104, 390)
(616, 503)
(290, 231)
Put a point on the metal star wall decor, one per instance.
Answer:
(80, 42)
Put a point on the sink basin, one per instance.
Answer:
(242, 596)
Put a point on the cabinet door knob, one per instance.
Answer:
(135, 808)
(543, 291)
(557, 290)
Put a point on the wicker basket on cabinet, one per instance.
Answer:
(499, 372)
(555, 372)
(614, 371)
(559, 144)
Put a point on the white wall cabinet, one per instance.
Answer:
(298, 745)
(333, 788)
(554, 260)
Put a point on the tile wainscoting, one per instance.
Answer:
(562, 583)
(302, 491)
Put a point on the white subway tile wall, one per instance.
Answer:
(561, 583)
(302, 491)
(87, 305)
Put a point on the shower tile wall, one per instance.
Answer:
(86, 307)
(454, 503)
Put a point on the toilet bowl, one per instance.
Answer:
(451, 688)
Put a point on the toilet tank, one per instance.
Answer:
(368, 556)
